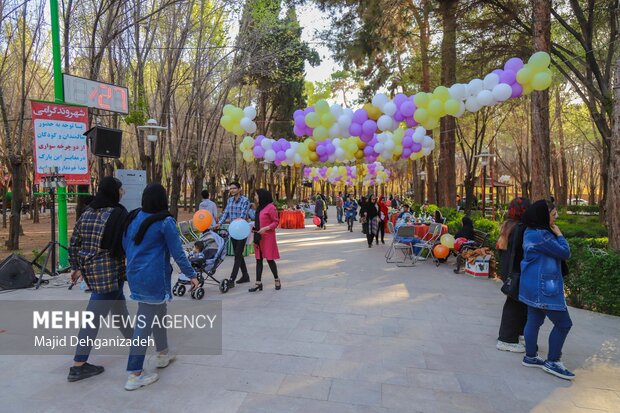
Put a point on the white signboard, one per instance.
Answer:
(134, 183)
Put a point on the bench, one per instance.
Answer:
(480, 238)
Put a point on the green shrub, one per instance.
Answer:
(594, 279)
(583, 209)
(580, 226)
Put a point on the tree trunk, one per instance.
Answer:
(563, 195)
(431, 187)
(612, 204)
(175, 189)
(541, 10)
(447, 162)
(16, 204)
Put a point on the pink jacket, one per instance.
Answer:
(268, 247)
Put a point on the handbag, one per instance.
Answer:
(511, 282)
(257, 238)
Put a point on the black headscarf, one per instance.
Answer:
(155, 202)
(264, 199)
(108, 197)
(537, 216)
(468, 229)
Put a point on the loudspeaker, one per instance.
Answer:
(16, 272)
(105, 142)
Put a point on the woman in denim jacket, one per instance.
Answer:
(542, 287)
(149, 239)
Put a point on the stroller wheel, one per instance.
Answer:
(174, 289)
(224, 286)
(200, 292)
(181, 290)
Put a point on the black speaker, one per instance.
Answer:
(105, 142)
(16, 272)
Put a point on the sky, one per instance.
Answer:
(313, 20)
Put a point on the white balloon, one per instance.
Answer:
(290, 153)
(474, 87)
(348, 112)
(379, 100)
(433, 144)
(334, 131)
(417, 138)
(245, 123)
(344, 131)
(485, 97)
(344, 121)
(340, 153)
(428, 142)
(297, 158)
(502, 92)
(458, 91)
(270, 155)
(389, 145)
(426, 151)
(266, 143)
(250, 112)
(251, 128)
(461, 109)
(332, 157)
(490, 81)
(389, 108)
(472, 104)
(384, 123)
(336, 110)
(419, 132)
(379, 147)
(395, 124)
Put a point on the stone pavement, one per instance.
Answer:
(347, 333)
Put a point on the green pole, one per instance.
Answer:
(60, 98)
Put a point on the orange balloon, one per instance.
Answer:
(441, 251)
(202, 220)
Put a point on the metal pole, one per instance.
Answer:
(60, 98)
(484, 187)
(53, 219)
(152, 162)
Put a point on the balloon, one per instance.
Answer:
(421, 99)
(227, 122)
(373, 111)
(389, 108)
(452, 106)
(475, 86)
(458, 91)
(515, 64)
(248, 156)
(447, 240)
(407, 108)
(420, 115)
(525, 75)
(435, 108)
(247, 125)
(490, 81)
(270, 155)
(239, 229)
(320, 133)
(539, 61)
(517, 90)
(502, 92)
(250, 112)
(327, 120)
(321, 106)
(459, 243)
(485, 98)
(442, 93)
(508, 76)
(472, 104)
(441, 251)
(384, 123)
(313, 120)
(228, 109)
(379, 100)
(542, 80)
(369, 127)
(202, 220)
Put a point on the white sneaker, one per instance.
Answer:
(512, 347)
(163, 360)
(135, 382)
(522, 340)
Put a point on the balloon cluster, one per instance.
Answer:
(238, 121)
(374, 173)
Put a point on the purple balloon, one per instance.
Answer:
(369, 126)
(416, 147)
(308, 131)
(406, 153)
(407, 141)
(517, 90)
(508, 76)
(498, 72)
(276, 146)
(300, 120)
(298, 113)
(360, 116)
(308, 110)
(320, 150)
(399, 99)
(398, 116)
(280, 156)
(258, 151)
(355, 129)
(368, 150)
(298, 130)
(513, 64)
(407, 108)
(366, 137)
(411, 122)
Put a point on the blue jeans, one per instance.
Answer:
(144, 328)
(339, 214)
(101, 305)
(561, 326)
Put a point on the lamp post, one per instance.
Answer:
(485, 156)
(151, 128)
(423, 186)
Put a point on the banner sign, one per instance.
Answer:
(59, 141)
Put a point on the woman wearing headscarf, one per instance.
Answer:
(371, 213)
(320, 210)
(95, 253)
(510, 247)
(542, 287)
(383, 219)
(438, 218)
(350, 211)
(467, 231)
(150, 239)
(265, 244)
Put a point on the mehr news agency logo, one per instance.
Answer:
(60, 320)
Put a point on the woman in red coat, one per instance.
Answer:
(265, 245)
(383, 216)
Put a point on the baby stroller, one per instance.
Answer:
(212, 256)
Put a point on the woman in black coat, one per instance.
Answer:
(371, 213)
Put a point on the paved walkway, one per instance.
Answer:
(347, 333)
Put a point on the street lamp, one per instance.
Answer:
(151, 128)
(422, 176)
(485, 157)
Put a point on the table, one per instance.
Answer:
(420, 231)
(292, 219)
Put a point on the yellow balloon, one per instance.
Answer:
(539, 61)
(525, 75)
(435, 108)
(228, 109)
(442, 93)
(227, 123)
(447, 240)
(542, 80)
(373, 111)
(359, 154)
(527, 89)
(321, 106)
(313, 157)
(452, 107)
(237, 114)
(237, 130)
(327, 120)
(313, 119)
(360, 143)
(312, 145)
(420, 115)
(421, 99)
(320, 133)
(248, 156)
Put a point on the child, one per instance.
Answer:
(196, 255)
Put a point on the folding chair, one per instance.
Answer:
(429, 240)
(400, 245)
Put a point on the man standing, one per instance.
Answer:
(208, 205)
(237, 206)
(395, 202)
(340, 208)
